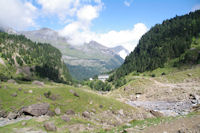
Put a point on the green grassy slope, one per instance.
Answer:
(87, 101)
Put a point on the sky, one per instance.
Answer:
(109, 22)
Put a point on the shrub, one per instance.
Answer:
(163, 73)
(153, 75)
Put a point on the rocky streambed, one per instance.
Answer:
(167, 108)
(6, 121)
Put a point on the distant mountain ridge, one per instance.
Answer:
(84, 61)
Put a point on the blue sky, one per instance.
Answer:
(118, 16)
(109, 22)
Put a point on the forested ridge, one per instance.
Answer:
(43, 60)
(162, 43)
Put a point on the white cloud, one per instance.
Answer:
(69, 8)
(88, 13)
(126, 3)
(196, 7)
(60, 8)
(126, 38)
(16, 14)
(123, 54)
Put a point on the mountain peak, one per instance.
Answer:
(95, 44)
(121, 51)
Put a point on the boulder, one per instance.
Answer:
(3, 114)
(70, 112)
(50, 113)
(14, 95)
(12, 115)
(49, 126)
(39, 83)
(19, 89)
(86, 114)
(57, 111)
(53, 97)
(100, 106)
(93, 110)
(77, 95)
(65, 118)
(74, 93)
(11, 81)
(36, 109)
(156, 113)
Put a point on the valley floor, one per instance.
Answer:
(162, 104)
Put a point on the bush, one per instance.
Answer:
(100, 86)
(163, 73)
(120, 82)
(153, 75)
(48, 94)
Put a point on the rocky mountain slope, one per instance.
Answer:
(91, 59)
(22, 59)
(83, 61)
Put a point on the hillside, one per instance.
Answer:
(25, 60)
(83, 61)
(172, 39)
(83, 109)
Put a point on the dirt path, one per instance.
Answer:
(181, 125)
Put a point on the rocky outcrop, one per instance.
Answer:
(36, 109)
(39, 83)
